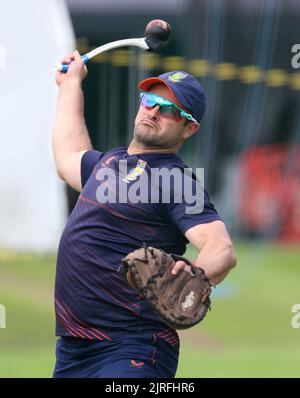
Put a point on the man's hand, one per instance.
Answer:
(77, 71)
(179, 265)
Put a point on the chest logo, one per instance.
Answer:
(138, 170)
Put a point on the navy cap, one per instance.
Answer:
(185, 87)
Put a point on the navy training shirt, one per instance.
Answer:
(92, 300)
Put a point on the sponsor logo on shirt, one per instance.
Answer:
(138, 170)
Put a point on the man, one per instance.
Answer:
(106, 329)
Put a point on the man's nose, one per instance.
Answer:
(153, 112)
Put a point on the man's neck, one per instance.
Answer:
(136, 148)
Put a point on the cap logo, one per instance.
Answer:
(177, 77)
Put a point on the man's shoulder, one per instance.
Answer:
(116, 151)
(169, 161)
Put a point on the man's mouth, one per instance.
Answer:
(149, 122)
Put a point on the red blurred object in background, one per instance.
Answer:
(270, 191)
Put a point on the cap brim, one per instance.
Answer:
(146, 84)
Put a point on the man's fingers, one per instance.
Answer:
(73, 57)
(67, 59)
(77, 56)
(76, 68)
(179, 265)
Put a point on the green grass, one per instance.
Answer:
(27, 344)
(248, 333)
(27, 362)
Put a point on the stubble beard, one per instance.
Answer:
(147, 136)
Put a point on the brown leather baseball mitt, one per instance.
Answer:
(181, 300)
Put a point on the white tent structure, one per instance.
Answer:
(34, 34)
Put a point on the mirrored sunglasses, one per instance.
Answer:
(166, 108)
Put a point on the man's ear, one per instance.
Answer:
(190, 129)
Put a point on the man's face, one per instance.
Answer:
(153, 129)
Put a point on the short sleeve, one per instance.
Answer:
(192, 209)
(88, 162)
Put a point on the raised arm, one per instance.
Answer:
(70, 138)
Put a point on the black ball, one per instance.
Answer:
(158, 33)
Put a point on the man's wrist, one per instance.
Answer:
(73, 83)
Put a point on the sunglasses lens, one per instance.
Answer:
(147, 101)
(168, 111)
